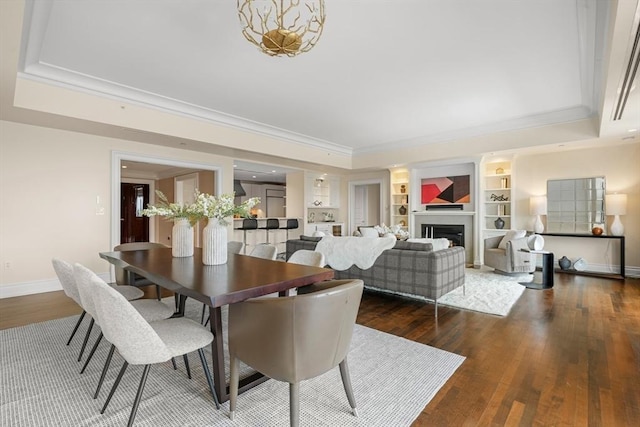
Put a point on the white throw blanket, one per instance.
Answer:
(343, 252)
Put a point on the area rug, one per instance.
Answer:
(487, 292)
(393, 380)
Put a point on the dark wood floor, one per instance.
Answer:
(569, 356)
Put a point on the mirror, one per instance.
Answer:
(575, 205)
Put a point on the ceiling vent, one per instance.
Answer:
(629, 76)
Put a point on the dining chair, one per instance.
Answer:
(149, 309)
(124, 277)
(138, 341)
(64, 271)
(234, 247)
(295, 338)
(264, 251)
(307, 257)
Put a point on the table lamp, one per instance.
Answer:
(537, 207)
(616, 204)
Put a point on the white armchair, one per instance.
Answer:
(509, 254)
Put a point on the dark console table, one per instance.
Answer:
(620, 276)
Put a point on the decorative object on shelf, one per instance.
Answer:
(402, 210)
(282, 28)
(499, 223)
(498, 198)
(564, 263)
(616, 204)
(403, 188)
(328, 216)
(317, 203)
(537, 207)
(403, 223)
(597, 231)
(504, 183)
(214, 236)
(499, 171)
(535, 242)
(501, 210)
(580, 264)
(311, 217)
(184, 216)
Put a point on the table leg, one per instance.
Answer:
(217, 354)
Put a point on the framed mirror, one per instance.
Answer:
(575, 205)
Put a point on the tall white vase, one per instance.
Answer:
(214, 243)
(181, 238)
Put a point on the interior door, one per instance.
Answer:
(134, 227)
(360, 205)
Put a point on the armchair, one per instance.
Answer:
(512, 257)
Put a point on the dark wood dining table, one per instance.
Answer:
(241, 278)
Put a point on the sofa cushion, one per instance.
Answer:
(511, 235)
(413, 246)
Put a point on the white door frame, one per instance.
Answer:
(352, 191)
(116, 159)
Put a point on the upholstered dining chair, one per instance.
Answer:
(264, 251)
(295, 338)
(307, 257)
(64, 271)
(138, 341)
(149, 309)
(124, 277)
(234, 247)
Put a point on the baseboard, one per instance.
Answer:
(38, 287)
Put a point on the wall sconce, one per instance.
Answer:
(537, 207)
(616, 204)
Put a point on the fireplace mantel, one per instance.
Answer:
(444, 213)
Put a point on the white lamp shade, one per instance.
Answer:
(616, 204)
(538, 205)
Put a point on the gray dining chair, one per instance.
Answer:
(264, 251)
(295, 338)
(124, 277)
(234, 247)
(64, 271)
(138, 341)
(307, 257)
(149, 309)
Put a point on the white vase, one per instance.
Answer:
(182, 238)
(214, 243)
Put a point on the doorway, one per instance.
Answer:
(366, 199)
(134, 227)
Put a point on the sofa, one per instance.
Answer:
(408, 269)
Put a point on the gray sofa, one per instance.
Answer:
(409, 269)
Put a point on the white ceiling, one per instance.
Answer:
(384, 75)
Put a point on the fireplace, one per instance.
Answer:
(454, 233)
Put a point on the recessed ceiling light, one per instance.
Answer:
(235, 166)
(253, 176)
(124, 166)
(273, 171)
(632, 130)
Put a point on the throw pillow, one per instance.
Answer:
(511, 235)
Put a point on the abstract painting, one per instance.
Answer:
(448, 189)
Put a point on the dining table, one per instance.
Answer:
(240, 278)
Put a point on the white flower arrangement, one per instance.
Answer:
(223, 206)
(171, 211)
(396, 230)
(205, 206)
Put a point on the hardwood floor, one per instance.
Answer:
(569, 356)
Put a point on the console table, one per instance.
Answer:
(620, 276)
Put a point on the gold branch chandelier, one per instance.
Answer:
(282, 27)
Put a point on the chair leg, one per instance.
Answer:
(207, 373)
(86, 338)
(204, 308)
(173, 362)
(186, 365)
(104, 370)
(294, 404)
(436, 303)
(115, 386)
(346, 382)
(75, 329)
(233, 384)
(136, 402)
(93, 350)
(158, 293)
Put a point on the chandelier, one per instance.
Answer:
(282, 27)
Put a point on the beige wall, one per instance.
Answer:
(50, 181)
(620, 165)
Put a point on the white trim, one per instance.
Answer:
(38, 287)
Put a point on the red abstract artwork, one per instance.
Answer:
(449, 189)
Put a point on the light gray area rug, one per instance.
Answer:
(487, 292)
(393, 380)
